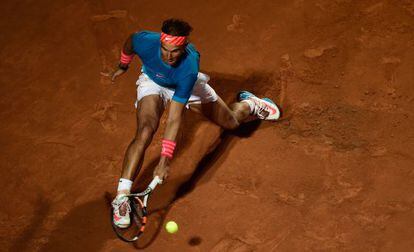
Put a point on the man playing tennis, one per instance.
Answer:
(170, 74)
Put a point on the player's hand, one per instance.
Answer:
(162, 170)
(114, 75)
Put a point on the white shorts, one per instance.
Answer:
(202, 91)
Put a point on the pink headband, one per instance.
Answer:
(175, 40)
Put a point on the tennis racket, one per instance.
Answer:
(138, 214)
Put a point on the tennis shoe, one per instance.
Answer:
(264, 108)
(121, 210)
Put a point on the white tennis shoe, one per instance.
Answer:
(264, 108)
(121, 210)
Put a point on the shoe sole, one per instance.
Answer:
(122, 225)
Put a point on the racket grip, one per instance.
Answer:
(155, 182)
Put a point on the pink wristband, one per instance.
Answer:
(126, 59)
(168, 148)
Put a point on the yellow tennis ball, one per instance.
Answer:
(171, 227)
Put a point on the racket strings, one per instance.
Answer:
(139, 209)
(139, 215)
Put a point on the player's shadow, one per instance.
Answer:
(211, 160)
(87, 227)
(84, 228)
(227, 86)
(39, 215)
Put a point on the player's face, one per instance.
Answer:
(171, 54)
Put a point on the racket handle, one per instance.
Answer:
(155, 182)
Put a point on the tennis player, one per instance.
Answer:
(170, 75)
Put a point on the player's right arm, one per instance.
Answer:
(126, 57)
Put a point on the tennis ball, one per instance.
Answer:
(171, 227)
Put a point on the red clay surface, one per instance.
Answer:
(335, 174)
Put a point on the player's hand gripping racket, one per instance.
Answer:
(138, 214)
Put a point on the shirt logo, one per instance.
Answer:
(159, 75)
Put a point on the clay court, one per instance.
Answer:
(336, 173)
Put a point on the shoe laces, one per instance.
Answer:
(122, 204)
(260, 108)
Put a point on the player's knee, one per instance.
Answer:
(144, 134)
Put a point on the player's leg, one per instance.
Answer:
(205, 100)
(223, 115)
(150, 106)
(149, 111)
(249, 106)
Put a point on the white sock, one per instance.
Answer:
(124, 185)
(251, 104)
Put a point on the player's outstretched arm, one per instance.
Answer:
(127, 53)
(175, 117)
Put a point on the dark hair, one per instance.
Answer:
(176, 27)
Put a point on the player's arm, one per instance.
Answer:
(175, 115)
(127, 54)
(127, 50)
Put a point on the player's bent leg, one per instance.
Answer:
(149, 111)
(249, 107)
(221, 114)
